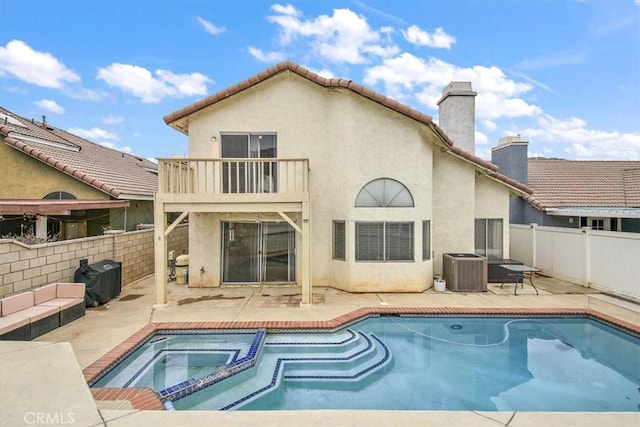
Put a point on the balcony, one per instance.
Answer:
(187, 181)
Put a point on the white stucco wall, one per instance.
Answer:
(349, 141)
(492, 201)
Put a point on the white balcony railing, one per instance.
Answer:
(232, 176)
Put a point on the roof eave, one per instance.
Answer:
(178, 117)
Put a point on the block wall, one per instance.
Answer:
(24, 267)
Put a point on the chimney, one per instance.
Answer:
(457, 112)
(512, 160)
(511, 157)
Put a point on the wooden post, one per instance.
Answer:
(160, 252)
(307, 289)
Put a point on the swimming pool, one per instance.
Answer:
(570, 363)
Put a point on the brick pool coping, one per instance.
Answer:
(146, 399)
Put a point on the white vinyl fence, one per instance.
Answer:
(604, 260)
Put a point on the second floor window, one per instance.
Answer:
(253, 175)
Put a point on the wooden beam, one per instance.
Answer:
(291, 222)
(175, 223)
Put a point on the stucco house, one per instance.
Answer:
(600, 194)
(297, 179)
(57, 183)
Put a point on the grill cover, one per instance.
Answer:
(103, 281)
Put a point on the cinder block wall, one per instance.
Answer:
(24, 267)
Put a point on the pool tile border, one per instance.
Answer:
(95, 370)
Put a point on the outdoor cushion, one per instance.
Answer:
(63, 303)
(44, 293)
(70, 290)
(8, 324)
(36, 312)
(17, 303)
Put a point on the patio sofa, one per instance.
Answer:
(29, 314)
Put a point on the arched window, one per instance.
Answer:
(384, 193)
(59, 195)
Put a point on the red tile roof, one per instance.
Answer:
(560, 183)
(179, 119)
(118, 174)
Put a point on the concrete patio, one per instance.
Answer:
(41, 382)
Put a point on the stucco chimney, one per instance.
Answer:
(457, 111)
(511, 157)
(512, 160)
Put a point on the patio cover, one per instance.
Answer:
(56, 207)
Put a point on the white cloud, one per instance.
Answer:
(287, 9)
(125, 149)
(141, 83)
(584, 143)
(489, 125)
(39, 68)
(438, 39)
(266, 56)
(210, 27)
(77, 92)
(327, 74)
(342, 37)
(184, 84)
(112, 120)
(49, 106)
(481, 138)
(406, 76)
(94, 134)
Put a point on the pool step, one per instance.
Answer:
(344, 366)
(351, 358)
(345, 363)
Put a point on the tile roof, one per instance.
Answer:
(121, 175)
(179, 119)
(558, 183)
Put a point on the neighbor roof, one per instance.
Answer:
(558, 183)
(179, 119)
(120, 175)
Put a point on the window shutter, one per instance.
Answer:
(399, 241)
(426, 240)
(339, 240)
(369, 241)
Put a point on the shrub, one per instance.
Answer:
(30, 239)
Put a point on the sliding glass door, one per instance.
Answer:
(256, 176)
(258, 252)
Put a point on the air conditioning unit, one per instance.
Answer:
(465, 272)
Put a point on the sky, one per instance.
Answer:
(562, 74)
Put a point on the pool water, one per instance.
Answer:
(168, 359)
(402, 363)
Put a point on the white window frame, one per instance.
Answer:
(384, 241)
(485, 250)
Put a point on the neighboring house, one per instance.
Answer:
(296, 179)
(56, 183)
(601, 194)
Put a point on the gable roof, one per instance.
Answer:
(558, 183)
(118, 174)
(180, 119)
